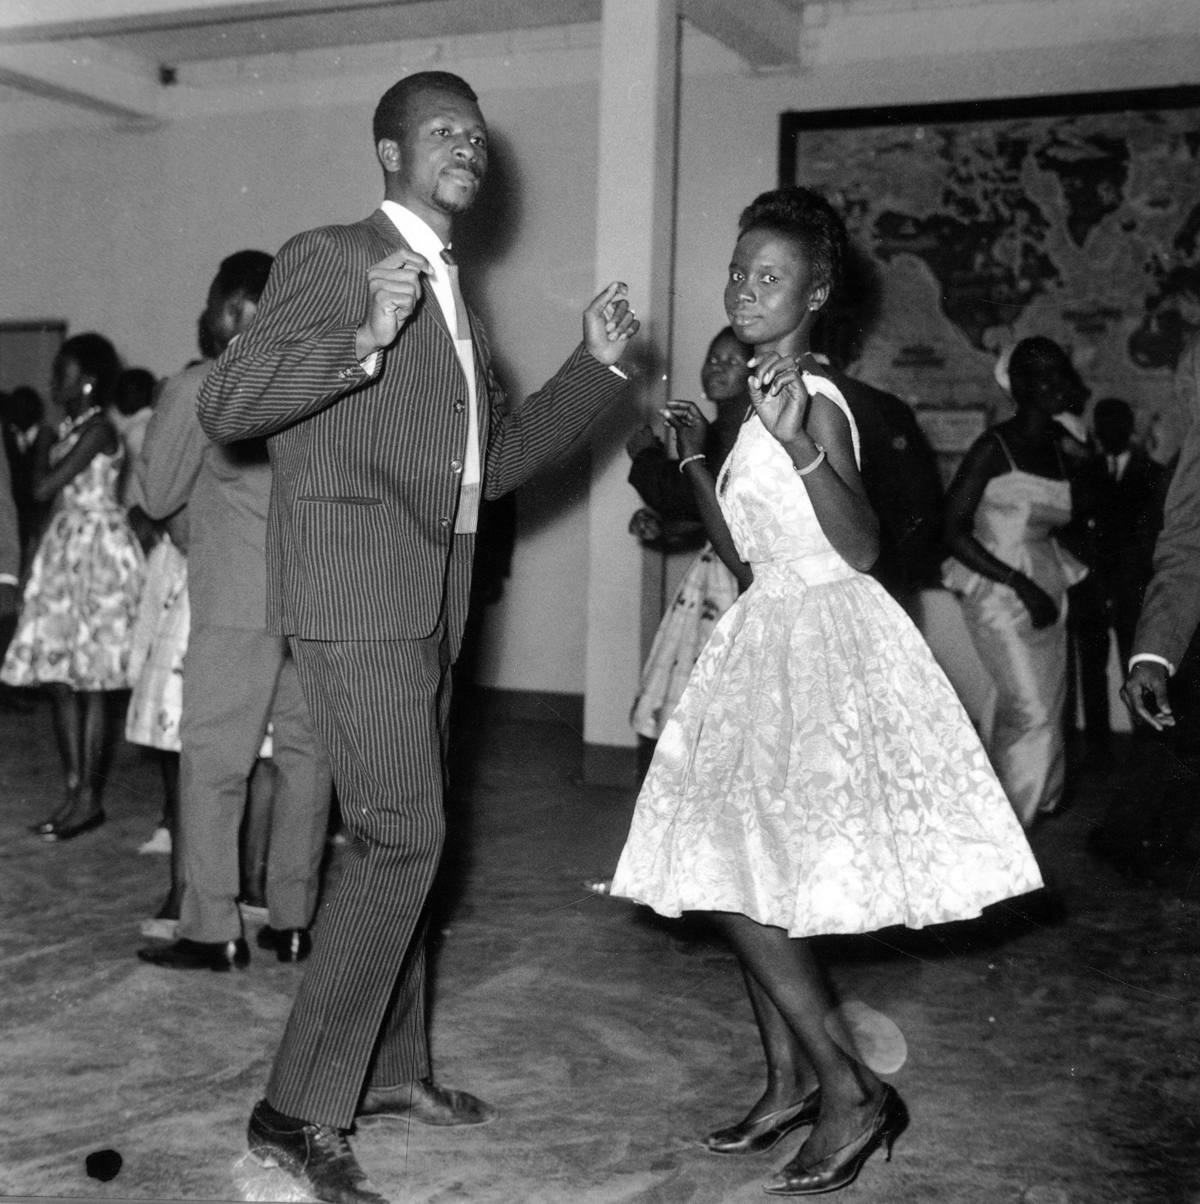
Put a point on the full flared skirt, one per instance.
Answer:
(820, 774)
(158, 648)
(79, 604)
(707, 591)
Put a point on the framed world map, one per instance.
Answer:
(1076, 217)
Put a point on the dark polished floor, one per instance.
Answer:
(1053, 1051)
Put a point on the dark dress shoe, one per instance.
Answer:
(198, 955)
(425, 1101)
(290, 944)
(753, 1137)
(61, 832)
(841, 1168)
(318, 1157)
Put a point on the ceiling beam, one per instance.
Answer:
(87, 76)
(764, 32)
(47, 20)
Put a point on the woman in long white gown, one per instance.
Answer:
(819, 774)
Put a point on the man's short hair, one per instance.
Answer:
(243, 274)
(391, 114)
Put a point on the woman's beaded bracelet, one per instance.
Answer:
(688, 459)
(812, 464)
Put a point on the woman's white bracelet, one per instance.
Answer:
(688, 459)
(812, 464)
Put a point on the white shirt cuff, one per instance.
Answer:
(1154, 658)
(8, 579)
(370, 363)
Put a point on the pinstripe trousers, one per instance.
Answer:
(359, 1016)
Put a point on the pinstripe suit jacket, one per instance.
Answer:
(360, 541)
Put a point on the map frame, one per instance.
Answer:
(940, 372)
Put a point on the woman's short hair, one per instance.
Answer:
(1035, 358)
(96, 357)
(806, 216)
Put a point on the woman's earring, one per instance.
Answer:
(87, 387)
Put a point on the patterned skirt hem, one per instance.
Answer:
(830, 927)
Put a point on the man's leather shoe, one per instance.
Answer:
(316, 1156)
(290, 944)
(425, 1101)
(198, 955)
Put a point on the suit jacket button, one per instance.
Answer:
(444, 523)
(459, 406)
(456, 466)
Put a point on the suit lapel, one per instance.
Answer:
(393, 240)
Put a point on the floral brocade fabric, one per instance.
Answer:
(819, 773)
(158, 647)
(81, 599)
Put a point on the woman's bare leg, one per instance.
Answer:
(67, 734)
(169, 764)
(786, 970)
(790, 1076)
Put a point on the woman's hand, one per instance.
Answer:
(1042, 608)
(690, 427)
(780, 398)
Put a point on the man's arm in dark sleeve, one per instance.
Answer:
(548, 422)
(661, 485)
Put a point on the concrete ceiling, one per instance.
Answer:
(108, 55)
(183, 31)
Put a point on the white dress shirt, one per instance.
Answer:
(424, 241)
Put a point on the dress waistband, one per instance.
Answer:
(820, 568)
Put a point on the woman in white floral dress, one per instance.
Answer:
(82, 595)
(819, 774)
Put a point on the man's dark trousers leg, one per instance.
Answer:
(359, 1016)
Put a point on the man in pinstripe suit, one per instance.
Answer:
(385, 426)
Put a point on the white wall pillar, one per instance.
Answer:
(635, 222)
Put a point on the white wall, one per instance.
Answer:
(121, 232)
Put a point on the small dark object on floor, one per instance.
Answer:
(103, 1165)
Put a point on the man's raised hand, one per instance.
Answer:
(395, 288)
(609, 324)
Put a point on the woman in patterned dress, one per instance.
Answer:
(708, 587)
(82, 595)
(819, 774)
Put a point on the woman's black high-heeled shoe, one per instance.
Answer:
(65, 808)
(60, 832)
(841, 1168)
(754, 1136)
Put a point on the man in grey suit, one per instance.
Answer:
(237, 676)
(1165, 630)
(1171, 610)
(385, 425)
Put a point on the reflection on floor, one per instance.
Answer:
(1051, 1047)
